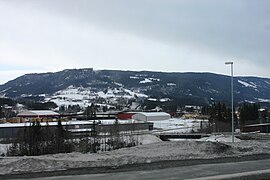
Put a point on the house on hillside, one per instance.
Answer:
(151, 116)
(7, 111)
(264, 115)
(193, 109)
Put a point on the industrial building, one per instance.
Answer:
(151, 116)
(262, 128)
(38, 114)
(77, 128)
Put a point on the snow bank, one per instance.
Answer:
(149, 139)
(219, 138)
(3, 149)
(159, 151)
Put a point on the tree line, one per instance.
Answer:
(249, 113)
(220, 116)
(36, 140)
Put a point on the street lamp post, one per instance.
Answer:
(231, 63)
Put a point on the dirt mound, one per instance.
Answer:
(218, 148)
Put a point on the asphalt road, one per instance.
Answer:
(256, 169)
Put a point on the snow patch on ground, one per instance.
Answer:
(177, 125)
(149, 139)
(152, 99)
(146, 80)
(251, 84)
(118, 84)
(267, 82)
(3, 149)
(133, 93)
(154, 79)
(134, 77)
(263, 100)
(219, 138)
(164, 99)
(160, 100)
(249, 101)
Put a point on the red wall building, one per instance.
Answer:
(125, 115)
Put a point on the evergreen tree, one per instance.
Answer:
(93, 111)
(249, 113)
(220, 116)
(62, 109)
(94, 136)
(87, 112)
(60, 137)
(1, 112)
(36, 140)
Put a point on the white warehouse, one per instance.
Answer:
(151, 116)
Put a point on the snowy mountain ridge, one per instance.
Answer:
(112, 87)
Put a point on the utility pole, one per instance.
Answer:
(231, 64)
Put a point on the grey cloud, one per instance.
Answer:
(234, 28)
(239, 29)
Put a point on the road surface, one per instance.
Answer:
(256, 169)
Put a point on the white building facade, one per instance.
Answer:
(151, 116)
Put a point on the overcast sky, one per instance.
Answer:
(158, 35)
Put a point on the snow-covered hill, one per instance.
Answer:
(86, 96)
(111, 87)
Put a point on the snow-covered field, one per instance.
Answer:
(219, 138)
(152, 150)
(86, 96)
(178, 125)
